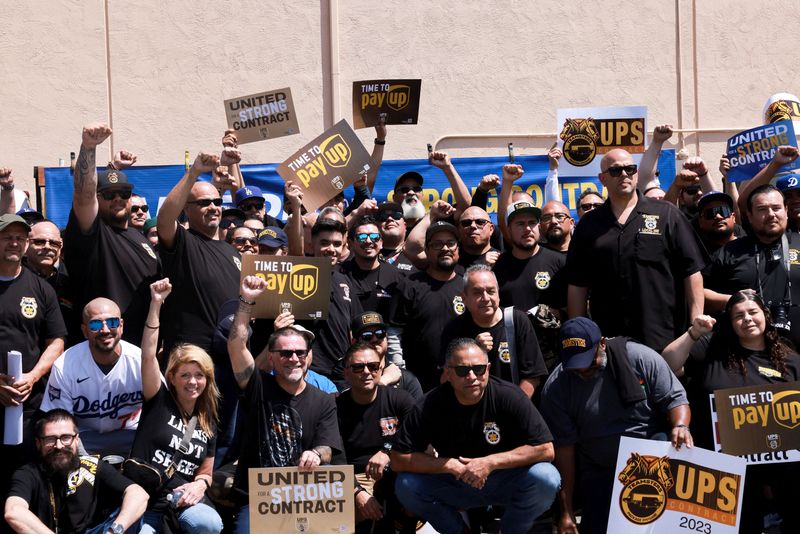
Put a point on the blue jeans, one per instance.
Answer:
(241, 522)
(525, 492)
(197, 519)
(103, 527)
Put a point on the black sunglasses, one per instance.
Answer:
(373, 367)
(110, 195)
(463, 370)
(466, 223)
(247, 206)
(288, 353)
(711, 213)
(245, 240)
(405, 189)
(144, 208)
(589, 206)
(386, 215)
(369, 334)
(692, 189)
(206, 202)
(616, 171)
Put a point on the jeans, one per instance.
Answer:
(103, 527)
(197, 519)
(241, 521)
(525, 492)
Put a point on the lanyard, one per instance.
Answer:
(53, 504)
(786, 265)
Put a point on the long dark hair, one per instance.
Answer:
(725, 343)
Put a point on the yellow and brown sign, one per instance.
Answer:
(296, 284)
(396, 100)
(759, 419)
(584, 138)
(262, 116)
(285, 499)
(326, 165)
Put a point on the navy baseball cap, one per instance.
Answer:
(113, 179)
(272, 236)
(579, 338)
(30, 215)
(440, 226)
(247, 192)
(788, 182)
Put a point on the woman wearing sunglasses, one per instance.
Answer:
(741, 349)
(185, 397)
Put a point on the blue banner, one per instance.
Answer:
(751, 150)
(154, 183)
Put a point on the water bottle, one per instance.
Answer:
(173, 498)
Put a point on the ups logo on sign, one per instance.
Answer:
(399, 97)
(335, 151)
(303, 281)
(786, 408)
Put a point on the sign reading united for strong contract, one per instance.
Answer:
(752, 150)
(299, 285)
(285, 499)
(396, 100)
(262, 116)
(759, 419)
(326, 165)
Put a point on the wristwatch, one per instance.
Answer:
(387, 448)
(116, 528)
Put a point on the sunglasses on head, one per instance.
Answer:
(144, 208)
(373, 367)
(362, 238)
(616, 171)
(288, 353)
(206, 202)
(369, 334)
(711, 213)
(463, 370)
(95, 325)
(406, 188)
(247, 206)
(480, 223)
(386, 215)
(124, 194)
(589, 206)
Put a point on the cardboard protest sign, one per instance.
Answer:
(260, 116)
(326, 165)
(586, 134)
(285, 499)
(398, 100)
(751, 150)
(660, 489)
(297, 284)
(759, 418)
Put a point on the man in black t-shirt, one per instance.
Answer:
(64, 492)
(556, 226)
(393, 233)
(204, 269)
(475, 233)
(104, 255)
(369, 415)
(493, 448)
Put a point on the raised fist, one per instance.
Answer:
(696, 165)
(662, 132)
(252, 287)
(94, 134)
(724, 165)
(439, 159)
(222, 180)
(380, 128)
(489, 182)
(685, 178)
(6, 179)
(229, 139)
(230, 156)
(160, 290)
(123, 159)
(554, 154)
(205, 162)
(441, 210)
(785, 154)
(294, 195)
(512, 172)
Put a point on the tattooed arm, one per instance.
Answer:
(242, 360)
(84, 195)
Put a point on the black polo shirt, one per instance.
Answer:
(635, 271)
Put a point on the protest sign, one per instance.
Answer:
(265, 115)
(586, 134)
(326, 165)
(759, 418)
(285, 499)
(297, 284)
(661, 489)
(397, 100)
(752, 150)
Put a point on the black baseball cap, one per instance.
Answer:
(410, 175)
(367, 320)
(711, 196)
(113, 179)
(440, 226)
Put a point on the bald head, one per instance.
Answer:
(203, 219)
(615, 155)
(475, 236)
(556, 225)
(100, 306)
(619, 175)
(203, 190)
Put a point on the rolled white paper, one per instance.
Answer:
(12, 433)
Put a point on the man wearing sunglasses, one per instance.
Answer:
(493, 448)
(639, 259)
(716, 221)
(99, 381)
(393, 232)
(140, 211)
(104, 254)
(250, 199)
(475, 233)
(408, 193)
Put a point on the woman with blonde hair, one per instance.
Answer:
(177, 429)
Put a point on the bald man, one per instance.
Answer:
(639, 258)
(99, 381)
(204, 269)
(475, 230)
(555, 228)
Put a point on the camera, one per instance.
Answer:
(780, 316)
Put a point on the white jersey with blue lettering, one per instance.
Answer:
(100, 402)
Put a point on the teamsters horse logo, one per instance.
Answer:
(580, 141)
(646, 481)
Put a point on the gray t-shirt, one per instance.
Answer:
(590, 415)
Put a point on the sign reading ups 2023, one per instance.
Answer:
(326, 165)
(299, 285)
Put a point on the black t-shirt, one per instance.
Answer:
(29, 315)
(280, 426)
(376, 288)
(502, 420)
(423, 307)
(466, 260)
(98, 490)
(366, 427)
(204, 274)
(635, 272)
(526, 283)
(116, 264)
(528, 357)
(159, 434)
(400, 261)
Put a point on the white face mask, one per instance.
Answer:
(413, 210)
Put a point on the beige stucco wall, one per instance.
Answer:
(487, 68)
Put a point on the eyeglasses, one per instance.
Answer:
(248, 206)
(405, 189)
(711, 213)
(480, 223)
(362, 238)
(144, 208)
(95, 325)
(463, 370)
(616, 171)
(369, 334)
(560, 217)
(206, 202)
(52, 242)
(386, 215)
(439, 245)
(245, 241)
(124, 194)
(589, 206)
(65, 439)
(373, 367)
(288, 353)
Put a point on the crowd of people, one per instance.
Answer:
(466, 369)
